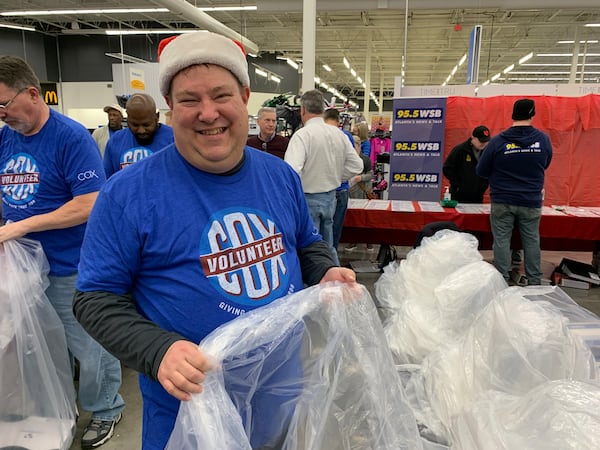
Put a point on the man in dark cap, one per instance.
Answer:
(515, 162)
(465, 185)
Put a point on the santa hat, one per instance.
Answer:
(203, 47)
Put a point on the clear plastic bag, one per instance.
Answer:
(433, 296)
(37, 397)
(309, 371)
(561, 414)
(515, 345)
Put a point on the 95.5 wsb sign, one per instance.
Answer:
(50, 93)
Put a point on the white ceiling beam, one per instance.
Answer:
(201, 19)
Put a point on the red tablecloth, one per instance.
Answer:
(557, 232)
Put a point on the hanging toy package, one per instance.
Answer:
(37, 397)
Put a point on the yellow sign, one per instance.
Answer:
(50, 93)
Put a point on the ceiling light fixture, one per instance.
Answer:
(148, 31)
(129, 31)
(326, 67)
(527, 57)
(128, 58)
(260, 72)
(292, 63)
(16, 27)
(508, 69)
(58, 12)
(591, 41)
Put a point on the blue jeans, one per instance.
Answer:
(99, 371)
(322, 209)
(341, 197)
(502, 219)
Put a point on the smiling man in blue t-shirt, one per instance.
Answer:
(192, 237)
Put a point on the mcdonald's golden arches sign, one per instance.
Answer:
(50, 93)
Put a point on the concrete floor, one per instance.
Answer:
(127, 432)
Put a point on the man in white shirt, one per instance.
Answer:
(323, 157)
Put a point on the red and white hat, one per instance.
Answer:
(203, 47)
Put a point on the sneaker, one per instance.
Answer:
(370, 249)
(98, 432)
(350, 248)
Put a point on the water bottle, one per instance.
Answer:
(447, 196)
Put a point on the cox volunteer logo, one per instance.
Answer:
(243, 256)
(20, 179)
(87, 175)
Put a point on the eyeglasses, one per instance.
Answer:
(4, 107)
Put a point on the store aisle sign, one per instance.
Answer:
(50, 93)
(417, 149)
(137, 79)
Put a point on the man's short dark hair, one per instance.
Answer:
(331, 114)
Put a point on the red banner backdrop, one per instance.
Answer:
(573, 124)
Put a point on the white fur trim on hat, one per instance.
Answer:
(202, 47)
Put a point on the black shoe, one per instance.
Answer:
(98, 432)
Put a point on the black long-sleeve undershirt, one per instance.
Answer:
(114, 321)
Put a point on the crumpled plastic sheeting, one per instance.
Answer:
(309, 371)
(434, 295)
(562, 414)
(513, 346)
(35, 372)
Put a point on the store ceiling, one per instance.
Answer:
(373, 32)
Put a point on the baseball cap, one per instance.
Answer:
(523, 109)
(114, 106)
(482, 133)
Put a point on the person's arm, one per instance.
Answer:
(368, 172)
(107, 160)
(484, 165)
(113, 320)
(449, 168)
(295, 155)
(318, 266)
(353, 164)
(72, 213)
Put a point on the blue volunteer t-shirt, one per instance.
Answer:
(195, 249)
(122, 149)
(41, 173)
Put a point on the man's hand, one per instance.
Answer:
(12, 230)
(182, 370)
(342, 274)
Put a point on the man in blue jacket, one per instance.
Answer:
(515, 162)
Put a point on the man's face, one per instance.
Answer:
(478, 144)
(115, 119)
(143, 123)
(210, 117)
(18, 111)
(267, 123)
